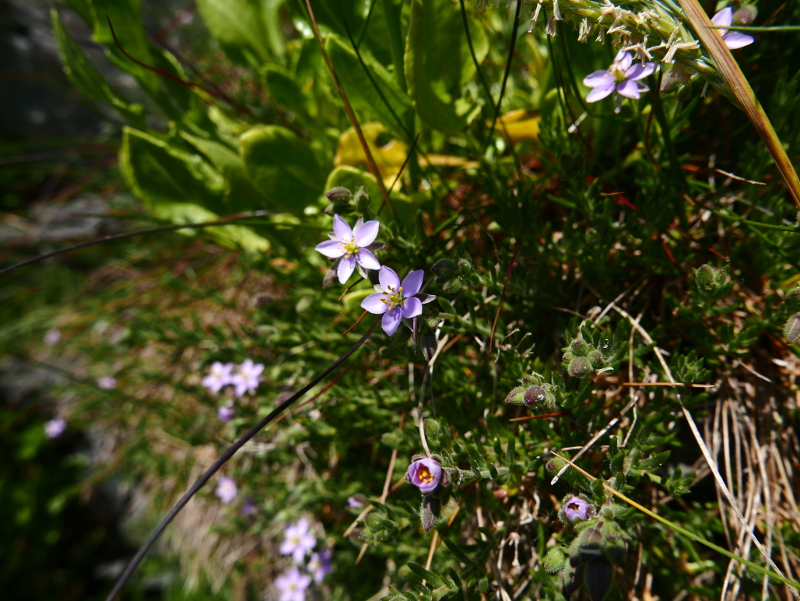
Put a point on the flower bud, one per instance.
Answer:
(339, 195)
(793, 299)
(554, 560)
(443, 269)
(516, 396)
(452, 286)
(535, 396)
(464, 265)
(792, 329)
(597, 579)
(362, 199)
(580, 367)
(429, 512)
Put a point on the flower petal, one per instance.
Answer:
(330, 248)
(723, 18)
(388, 278)
(413, 282)
(341, 229)
(391, 320)
(425, 298)
(346, 268)
(639, 71)
(598, 78)
(624, 59)
(629, 89)
(366, 259)
(365, 233)
(374, 303)
(601, 92)
(412, 307)
(734, 40)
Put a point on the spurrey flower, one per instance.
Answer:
(732, 39)
(576, 509)
(425, 474)
(245, 378)
(55, 427)
(395, 299)
(292, 585)
(621, 77)
(319, 564)
(226, 413)
(219, 377)
(107, 382)
(297, 540)
(351, 246)
(52, 337)
(226, 490)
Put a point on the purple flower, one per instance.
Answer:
(249, 507)
(622, 76)
(52, 337)
(226, 490)
(356, 501)
(297, 540)
(319, 565)
(219, 377)
(732, 39)
(395, 300)
(55, 427)
(245, 378)
(107, 382)
(576, 509)
(292, 585)
(351, 246)
(425, 474)
(226, 413)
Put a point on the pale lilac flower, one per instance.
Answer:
(55, 427)
(107, 382)
(52, 337)
(425, 474)
(351, 246)
(219, 377)
(732, 39)
(297, 540)
(292, 585)
(226, 490)
(246, 376)
(319, 565)
(577, 509)
(356, 501)
(226, 413)
(621, 77)
(396, 300)
(249, 507)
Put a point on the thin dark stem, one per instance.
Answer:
(402, 168)
(472, 51)
(650, 123)
(201, 481)
(511, 47)
(155, 230)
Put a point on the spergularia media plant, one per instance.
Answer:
(621, 79)
(396, 300)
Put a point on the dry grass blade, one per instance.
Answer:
(741, 90)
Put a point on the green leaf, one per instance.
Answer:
(248, 30)
(282, 166)
(438, 64)
(360, 90)
(88, 79)
(284, 91)
(179, 187)
(351, 178)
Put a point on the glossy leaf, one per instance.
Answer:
(248, 30)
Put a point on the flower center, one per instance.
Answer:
(392, 298)
(350, 248)
(424, 474)
(574, 507)
(617, 72)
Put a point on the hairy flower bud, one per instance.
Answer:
(535, 395)
(361, 198)
(597, 578)
(517, 396)
(792, 329)
(580, 367)
(443, 269)
(429, 512)
(339, 195)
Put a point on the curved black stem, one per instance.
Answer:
(505, 76)
(472, 52)
(201, 481)
(167, 228)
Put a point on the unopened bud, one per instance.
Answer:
(361, 198)
(792, 329)
(535, 395)
(429, 512)
(597, 578)
(452, 286)
(443, 269)
(580, 367)
(339, 195)
(516, 396)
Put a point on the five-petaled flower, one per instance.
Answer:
(226, 413)
(576, 509)
(732, 39)
(55, 427)
(297, 540)
(319, 564)
(394, 299)
(219, 377)
(245, 378)
(226, 490)
(622, 76)
(292, 585)
(351, 246)
(425, 474)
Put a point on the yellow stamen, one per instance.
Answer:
(424, 474)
